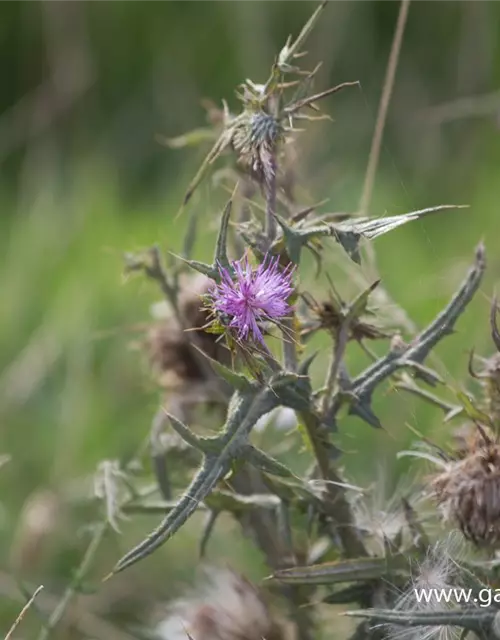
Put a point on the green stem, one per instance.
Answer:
(80, 574)
(338, 506)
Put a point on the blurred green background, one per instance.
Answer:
(86, 90)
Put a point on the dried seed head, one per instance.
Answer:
(468, 490)
(255, 139)
(41, 519)
(329, 316)
(227, 607)
(380, 512)
(168, 345)
(439, 571)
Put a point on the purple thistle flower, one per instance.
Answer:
(253, 295)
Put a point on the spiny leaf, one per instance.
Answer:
(304, 436)
(411, 387)
(424, 373)
(109, 486)
(220, 257)
(206, 269)
(238, 503)
(265, 462)
(358, 306)
(202, 484)
(343, 571)
(208, 529)
(292, 49)
(371, 228)
(185, 432)
(236, 380)
(471, 410)
(218, 147)
(294, 241)
(361, 389)
(363, 410)
(349, 232)
(304, 366)
(473, 619)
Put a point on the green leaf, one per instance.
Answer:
(304, 436)
(471, 410)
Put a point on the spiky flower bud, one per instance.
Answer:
(255, 139)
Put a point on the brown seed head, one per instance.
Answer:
(229, 607)
(172, 357)
(468, 490)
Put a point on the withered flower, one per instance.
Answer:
(227, 607)
(254, 140)
(169, 345)
(330, 314)
(468, 488)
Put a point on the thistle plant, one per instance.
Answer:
(234, 349)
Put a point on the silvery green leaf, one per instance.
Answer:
(206, 269)
(265, 462)
(291, 49)
(371, 228)
(110, 487)
(236, 380)
(237, 503)
(185, 433)
(208, 529)
(343, 571)
(473, 619)
(220, 257)
(349, 232)
(202, 484)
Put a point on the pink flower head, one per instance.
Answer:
(252, 295)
